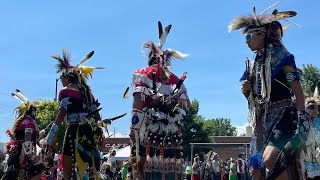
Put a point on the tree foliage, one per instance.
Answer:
(197, 129)
(310, 78)
(46, 114)
(220, 127)
(192, 130)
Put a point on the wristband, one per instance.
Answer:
(52, 132)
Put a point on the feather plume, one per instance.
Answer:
(255, 15)
(64, 62)
(148, 48)
(293, 23)
(285, 27)
(283, 15)
(241, 22)
(171, 53)
(18, 98)
(126, 93)
(160, 29)
(85, 59)
(269, 7)
(164, 36)
(23, 96)
(275, 11)
(87, 71)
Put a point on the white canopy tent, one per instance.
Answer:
(121, 154)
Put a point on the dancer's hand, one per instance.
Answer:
(246, 87)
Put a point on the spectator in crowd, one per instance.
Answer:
(311, 155)
(233, 170)
(241, 167)
(196, 169)
(124, 170)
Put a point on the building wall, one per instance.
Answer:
(231, 152)
(115, 142)
(227, 153)
(223, 152)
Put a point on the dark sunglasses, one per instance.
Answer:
(312, 107)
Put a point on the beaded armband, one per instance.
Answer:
(293, 77)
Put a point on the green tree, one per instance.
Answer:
(46, 114)
(220, 127)
(192, 130)
(310, 78)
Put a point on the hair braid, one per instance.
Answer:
(85, 91)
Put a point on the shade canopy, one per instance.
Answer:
(123, 154)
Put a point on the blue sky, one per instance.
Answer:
(31, 31)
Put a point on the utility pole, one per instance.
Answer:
(55, 97)
(114, 133)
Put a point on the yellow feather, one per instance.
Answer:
(23, 109)
(87, 71)
(82, 166)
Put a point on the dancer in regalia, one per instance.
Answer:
(280, 128)
(160, 102)
(80, 109)
(23, 162)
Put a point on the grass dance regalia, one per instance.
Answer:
(272, 79)
(160, 101)
(23, 162)
(80, 109)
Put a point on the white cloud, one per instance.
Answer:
(121, 135)
(241, 128)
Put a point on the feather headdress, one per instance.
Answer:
(259, 22)
(26, 107)
(156, 55)
(25, 103)
(81, 71)
(313, 97)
